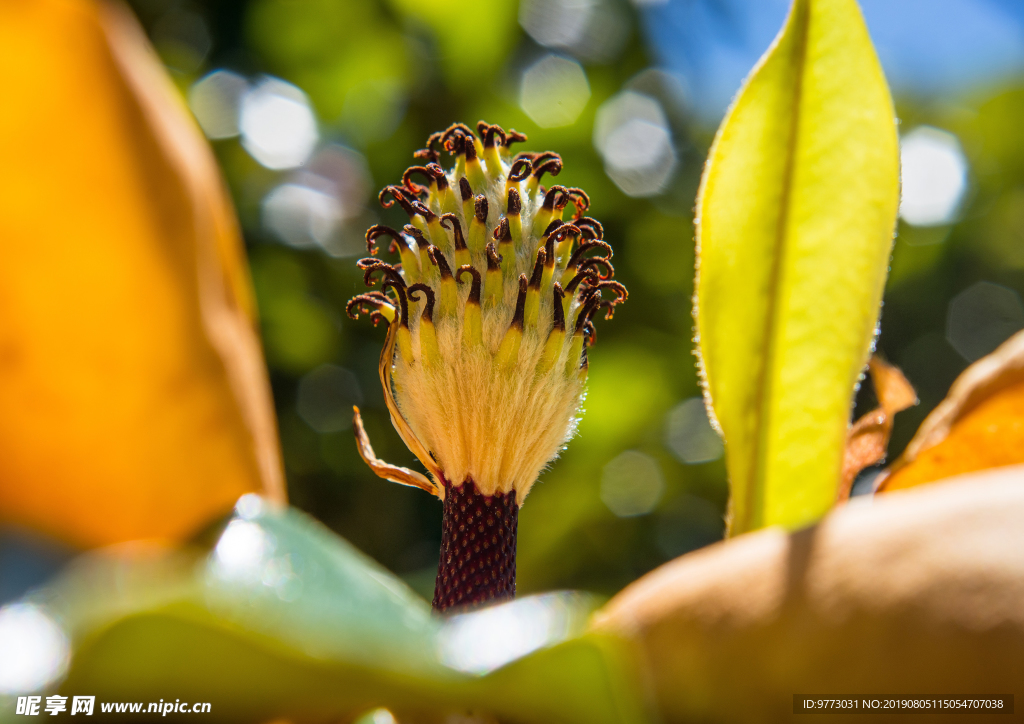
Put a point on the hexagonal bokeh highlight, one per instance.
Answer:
(554, 91)
(982, 317)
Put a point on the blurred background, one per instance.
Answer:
(312, 105)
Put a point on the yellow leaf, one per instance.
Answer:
(133, 397)
(979, 425)
(795, 221)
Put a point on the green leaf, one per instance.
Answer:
(282, 618)
(795, 223)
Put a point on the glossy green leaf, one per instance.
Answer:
(281, 618)
(795, 223)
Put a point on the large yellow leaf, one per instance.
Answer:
(133, 397)
(795, 222)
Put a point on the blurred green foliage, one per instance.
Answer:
(383, 75)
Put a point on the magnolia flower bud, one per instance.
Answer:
(489, 318)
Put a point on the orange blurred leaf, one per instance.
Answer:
(134, 401)
(868, 438)
(979, 425)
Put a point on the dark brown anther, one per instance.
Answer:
(470, 149)
(415, 188)
(438, 257)
(398, 194)
(559, 313)
(594, 263)
(501, 232)
(430, 153)
(421, 240)
(579, 199)
(564, 230)
(366, 304)
(515, 203)
(584, 248)
(494, 259)
(590, 337)
(591, 228)
(465, 190)
(514, 136)
(520, 170)
(480, 209)
(538, 269)
(375, 232)
(587, 276)
(517, 318)
(556, 198)
(474, 290)
(547, 162)
(428, 310)
(456, 228)
(555, 223)
(549, 249)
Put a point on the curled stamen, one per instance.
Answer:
(421, 240)
(560, 232)
(403, 303)
(465, 190)
(588, 276)
(494, 259)
(594, 263)
(584, 248)
(359, 303)
(474, 290)
(514, 136)
(548, 162)
(587, 310)
(370, 266)
(490, 133)
(398, 194)
(480, 208)
(415, 188)
(555, 223)
(419, 208)
(579, 199)
(456, 229)
(455, 136)
(375, 232)
(590, 335)
(520, 170)
(556, 198)
(428, 310)
(515, 203)
(591, 228)
(438, 257)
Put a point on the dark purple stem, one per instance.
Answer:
(478, 548)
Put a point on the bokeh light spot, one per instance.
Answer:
(689, 435)
(632, 135)
(326, 396)
(981, 318)
(33, 649)
(242, 551)
(277, 124)
(216, 100)
(934, 176)
(593, 30)
(554, 91)
(481, 641)
(632, 484)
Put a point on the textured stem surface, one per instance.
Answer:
(478, 548)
